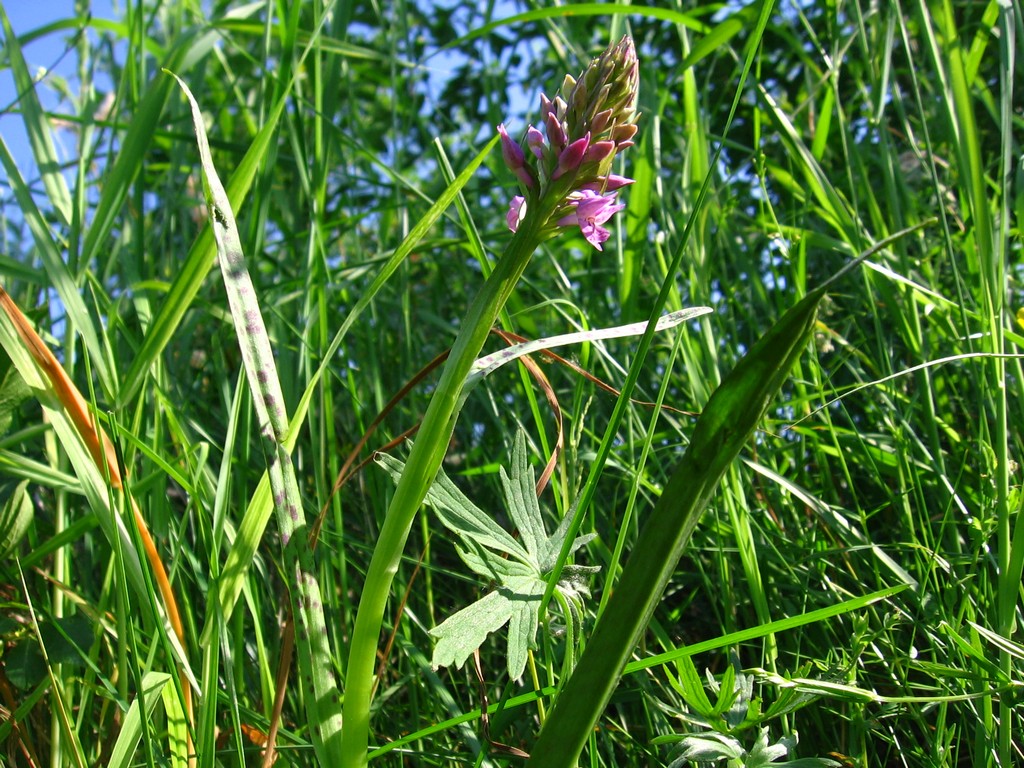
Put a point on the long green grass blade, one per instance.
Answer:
(37, 126)
(57, 270)
(189, 50)
(322, 698)
(730, 640)
(153, 686)
(725, 425)
(198, 262)
(92, 485)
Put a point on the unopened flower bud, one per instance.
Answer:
(612, 182)
(535, 141)
(510, 151)
(600, 122)
(546, 107)
(605, 94)
(571, 157)
(556, 132)
(621, 133)
(515, 159)
(599, 151)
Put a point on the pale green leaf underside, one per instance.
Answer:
(463, 632)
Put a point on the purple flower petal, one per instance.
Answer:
(535, 141)
(592, 210)
(594, 234)
(516, 211)
(597, 208)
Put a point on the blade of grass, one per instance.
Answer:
(37, 126)
(322, 699)
(57, 690)
(85, 426)
(49, 252)
(730, 640)
(198, 262)
(189, 49)
(123, 754)
(731, 415)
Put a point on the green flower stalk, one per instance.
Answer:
(567, 181)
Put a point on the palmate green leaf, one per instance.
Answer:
(520, 570)
(498, 569)
(461, 515)
(712, 747)
(516, 601)
(764, 754)
(521, 500)
(690, 686)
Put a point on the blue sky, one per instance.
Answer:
(46, 52)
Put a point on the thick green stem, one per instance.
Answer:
(420, 470)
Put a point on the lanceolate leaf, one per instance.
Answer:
(15, 516)
(731, 414)
(492, 362)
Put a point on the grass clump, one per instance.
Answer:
(852, 572)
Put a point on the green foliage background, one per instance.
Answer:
(890, 458)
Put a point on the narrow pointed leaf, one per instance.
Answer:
(123, 754)
(521, 499)
(37, 126)
(730, 416)
(322, 697)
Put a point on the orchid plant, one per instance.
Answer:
(565, 180)
(159, 546)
